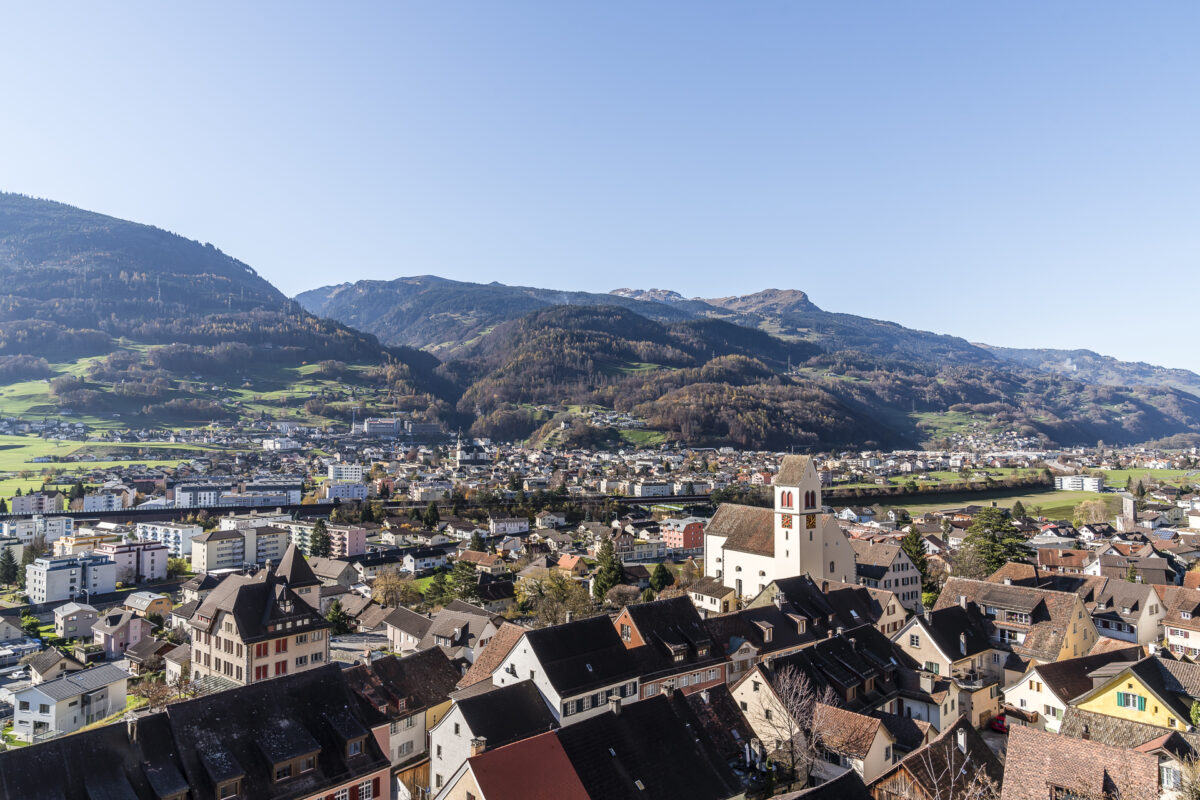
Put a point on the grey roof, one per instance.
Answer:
(73, 608)
(791, 470)
(76, 683)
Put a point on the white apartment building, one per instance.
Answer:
(137, 562)
(50, 580)
(253, 519)
(346, 472)
(104, 501)
(196, 495)
(37, 503)
(177, 536)
(233, 549)
(338, 490)
(38, 528)
(1079, 483)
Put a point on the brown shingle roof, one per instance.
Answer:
(493, 655)
(845, 732)
(1050, 612)
(1038, 760)
(747, 529)
(791, 470)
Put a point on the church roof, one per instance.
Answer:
(747, 529)
(792, 470)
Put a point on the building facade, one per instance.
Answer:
(50, 580)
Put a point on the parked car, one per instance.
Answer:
(16, 673)
(999, 723)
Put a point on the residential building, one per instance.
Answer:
(51, 663)
(345, 472)
(74, 620)
(117, 630)
(882, 565)
(1034, 624)
(683, 536)
(238, 548)
(254, 519)
(1038, 765)
(851, 603)
(66, 704)
(104, 501)
(711, 596)
(673, 645)
(1181, 623)
(577, 666)
(252, 628)
(303, 737)
(564, 764)
(1154, 691)
(85, 540)
(1079, 483)
(413, 693)
(958, 763)
(49, 580)
(504, 526)
(176, 536)
(749, 547)
(344, 490)
(38, 503)
(460, 629)
(345, 541)
(199, 495)
(146, 604)
(37, 529)
(478, 722)
(1042, 695)
(137, 562)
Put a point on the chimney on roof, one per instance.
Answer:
(131, 728)
(962, 643)
(927, 680)
(840, 630)
(614, 704)
(962, 601)
(570, 616)
(478, 745)
(961, 736)
(779, 600)
(704, 696)
(1007, 581)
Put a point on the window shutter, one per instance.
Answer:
(375, 787)
(1141, 703)
(354, 792)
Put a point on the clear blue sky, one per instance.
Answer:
(1016, 173)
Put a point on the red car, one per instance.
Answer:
(999, 724)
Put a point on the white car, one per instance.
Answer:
(16, 673)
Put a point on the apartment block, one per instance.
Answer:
(49, 580)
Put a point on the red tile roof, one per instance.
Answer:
(532, 769)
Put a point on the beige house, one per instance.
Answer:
(236, 548)
(954, 643)
(252, 628)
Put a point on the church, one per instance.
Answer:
(747, 547)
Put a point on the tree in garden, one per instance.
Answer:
(464, 581)
(9, 571)
(608, 572)
(339, 619)
(913, 545)
(431, 517)
(438, 591)
(477, 543)
(661, 578)
(319, 544)
(991, 542)
(1018, 510)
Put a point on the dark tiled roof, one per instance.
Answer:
(256, 602)
(954, 629)
(582, 655)
(847, 786)
(1115, 731)
(507, 713)
(655, 742)
(398, 687)
(1069, 679)
(295, 570)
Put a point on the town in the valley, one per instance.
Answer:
(390, 611)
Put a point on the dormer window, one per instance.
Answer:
(1185, 615)
(229, 790)
(283, 771)
(354, 747)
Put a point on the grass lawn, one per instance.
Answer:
(643, 438)
(1176, 477)
(131, 702)
(1054, 505)
(423, 583)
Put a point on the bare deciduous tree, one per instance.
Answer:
(788, 714)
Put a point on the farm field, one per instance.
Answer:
(1053, 505)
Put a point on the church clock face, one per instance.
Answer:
(810, 521)
(786, 520)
